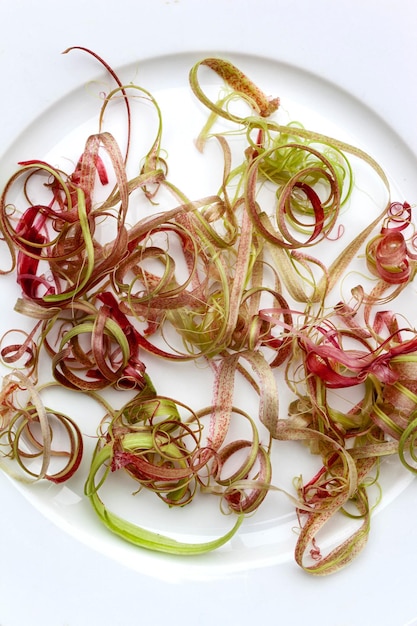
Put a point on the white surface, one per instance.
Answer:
(48, 577)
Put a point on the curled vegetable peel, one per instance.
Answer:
(234, 281)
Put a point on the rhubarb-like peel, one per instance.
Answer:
(235, 281)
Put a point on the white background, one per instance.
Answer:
(369, 48)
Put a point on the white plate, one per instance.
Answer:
(58, 137)
(266, 538)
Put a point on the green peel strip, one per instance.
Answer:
(137, 535)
